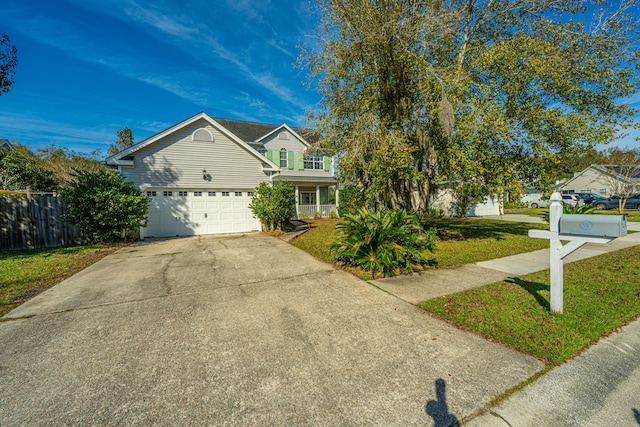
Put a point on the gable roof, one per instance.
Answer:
(611, 170)
(6, 143)
(124, 157)
(254, 131)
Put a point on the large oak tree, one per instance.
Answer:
(479, 93)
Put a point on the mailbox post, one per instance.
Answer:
(577, 230)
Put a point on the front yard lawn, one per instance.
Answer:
(462, 240)
(600, 295)
(24, 274)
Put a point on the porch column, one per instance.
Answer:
(297, 201)
(318, 199)
(337, 198)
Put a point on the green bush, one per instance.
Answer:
(434, 213)
(515, 205)
(303, 215)
(104, 205)
(351, 199)
(333, 214)
(575, 209)
(317, 215)
(273, 204)
(382, 241)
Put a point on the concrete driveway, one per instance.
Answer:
(238, 330)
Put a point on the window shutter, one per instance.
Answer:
(290, 159)
(326, 163)
(301, 161)
(323, 197)
(269, 155)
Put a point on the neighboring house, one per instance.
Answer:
(444, 200)
(601, 179)
(4, 143)
(200, 174)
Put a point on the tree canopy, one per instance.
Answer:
(8, 62)
(482, 94)
(123, 141)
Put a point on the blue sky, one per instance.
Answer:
(88, 68)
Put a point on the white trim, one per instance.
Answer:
(279, 129)
(116, 158)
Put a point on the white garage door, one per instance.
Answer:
(190, 212)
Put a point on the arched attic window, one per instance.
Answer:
(202, 134)
(283, 135)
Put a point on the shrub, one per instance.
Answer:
(104, 205)
(317, 215)
(333, 215)
(575, 209)
(515, 205)
(273, 204)
(382, 241)
(303, 215)
(351, 199)
(434, 213)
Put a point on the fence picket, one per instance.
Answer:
(35, 223)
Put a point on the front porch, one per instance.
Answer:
(317, 201)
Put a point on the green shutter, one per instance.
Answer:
(290, 159)
(268, 154)
(326, 163)
(301, 161)
(323, 197)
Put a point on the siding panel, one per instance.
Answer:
(177, 161)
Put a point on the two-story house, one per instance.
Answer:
(200, 174)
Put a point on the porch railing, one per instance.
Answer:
(310, 210)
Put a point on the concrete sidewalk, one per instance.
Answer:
(599, 387)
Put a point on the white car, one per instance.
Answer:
(572, 199)
(542, 202)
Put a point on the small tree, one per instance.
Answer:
(104, 205)
(8, 62)
(273, 204)
(123, 141)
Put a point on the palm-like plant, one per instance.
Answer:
(383, 240)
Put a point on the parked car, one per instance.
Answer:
(589, 198)
(632, 202)
(572, 199)
(542, 202)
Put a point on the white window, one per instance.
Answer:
(238, 194)
(182, 193)
(313, 161)
(197, 193)
(283, 157)
(167, 193)
(225, 194)
(307, 198)
(151, 193)
(211, 193)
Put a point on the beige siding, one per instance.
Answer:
(177, 161)
(589, 182)
(298, 148)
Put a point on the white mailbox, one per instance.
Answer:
(593, 225)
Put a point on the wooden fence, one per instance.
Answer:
(36, 222)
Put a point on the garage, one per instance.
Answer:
(177, 212)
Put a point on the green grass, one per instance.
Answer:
(600, 295)
(24, 274)
(461, 240)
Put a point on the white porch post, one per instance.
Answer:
(317, 198)
(297, 201)
(337, 198)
